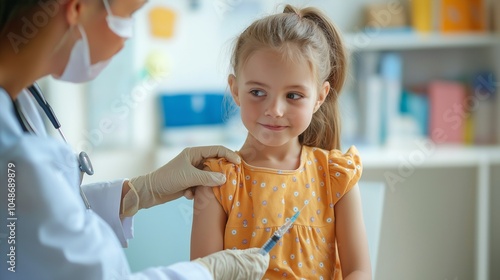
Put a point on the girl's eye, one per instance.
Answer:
(256, 92)
(293, 96)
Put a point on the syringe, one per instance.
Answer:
(278, 234)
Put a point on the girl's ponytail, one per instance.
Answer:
(325, 127)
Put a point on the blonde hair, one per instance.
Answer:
(306, 33)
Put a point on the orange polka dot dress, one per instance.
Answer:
(258, 200)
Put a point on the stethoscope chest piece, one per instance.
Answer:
(85, 163)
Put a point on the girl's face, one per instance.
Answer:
(277, 98)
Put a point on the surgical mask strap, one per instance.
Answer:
(123, 27)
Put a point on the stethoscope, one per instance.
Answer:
(84, 163)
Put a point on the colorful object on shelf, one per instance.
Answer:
(415, 103)
(469, 130)
(483, 111)
(191, 109)
(391, 72)
(422, 15)
(462, 15)
(192, 118)
(162, 22)
(478, 15)
(447, 112)
(495, 20)
(455, 15)
(385, 16)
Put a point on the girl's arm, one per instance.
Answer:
(351, 237)
(209, 222)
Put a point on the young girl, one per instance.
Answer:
(289, 70)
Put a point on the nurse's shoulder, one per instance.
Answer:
(29, 151)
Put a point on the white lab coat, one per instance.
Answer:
(48, 233)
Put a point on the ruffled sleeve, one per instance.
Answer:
(226, 193)
(345, 171)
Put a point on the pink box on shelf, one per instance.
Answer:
(447, 112)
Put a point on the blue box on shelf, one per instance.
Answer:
(416, 105)
(191, 109)
(193, 118)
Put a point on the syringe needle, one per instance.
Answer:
(296, 215)
(305, 204)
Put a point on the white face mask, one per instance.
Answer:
(79, 68)
(123, 27)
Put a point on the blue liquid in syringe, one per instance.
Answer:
(277, 235)
(270, 244)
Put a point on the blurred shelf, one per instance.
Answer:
(430, 156)
(423, 156)
(411, 41)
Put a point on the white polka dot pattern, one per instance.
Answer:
(265, 199)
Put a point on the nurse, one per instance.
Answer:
(46, 232)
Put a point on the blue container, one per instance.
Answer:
(417, 106)
(192, 109)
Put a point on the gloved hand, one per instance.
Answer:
(171, 181)
(246, 264)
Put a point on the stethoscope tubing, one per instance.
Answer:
(84, 163)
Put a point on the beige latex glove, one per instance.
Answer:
(174, 179)
(246, 264)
